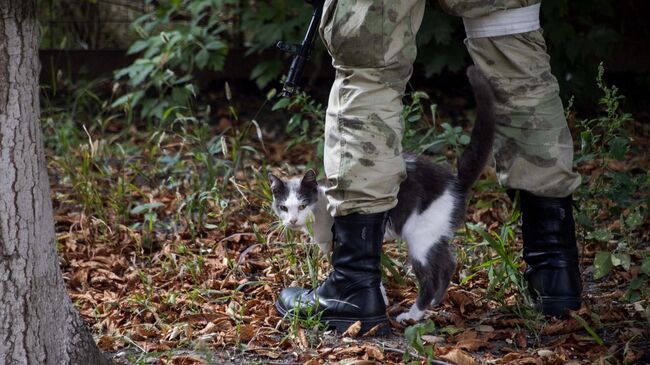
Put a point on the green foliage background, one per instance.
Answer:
(579, 34)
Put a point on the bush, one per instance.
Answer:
(178, 39)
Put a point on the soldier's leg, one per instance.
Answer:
(533, 147)
(372, 44)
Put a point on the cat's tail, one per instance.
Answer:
(477, 152)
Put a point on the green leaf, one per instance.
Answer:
(413, 118)
(602, 235)
(588, 328)
(428, 326)
(280, 104)
(634, 220)
(482, 204)
(216, 45)
(645, 265)
(602, 264)
(585, 141)
(202, 58)
(621, 259)
(146, 207)
(637, 283)
(464, 139)
(137, 47)
(583, 219)
(618, 148)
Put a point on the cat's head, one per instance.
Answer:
(293, 199)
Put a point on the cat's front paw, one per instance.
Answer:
(414, 314)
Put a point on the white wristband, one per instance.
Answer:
(504, 22)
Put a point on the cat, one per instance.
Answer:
(431, 205)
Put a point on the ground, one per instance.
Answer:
(171, 264)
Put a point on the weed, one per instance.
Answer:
(420, 130)
(306, 125)
(613, 201)
(161, 80)
(502, 266)
(413, 335)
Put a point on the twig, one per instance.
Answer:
(235, 235)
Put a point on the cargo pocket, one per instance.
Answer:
(353, 32)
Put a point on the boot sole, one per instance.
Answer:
(558, 306)
(342, 324)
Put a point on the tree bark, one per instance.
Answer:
(38, 323)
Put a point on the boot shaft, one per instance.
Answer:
(548, 230)
(357, 244)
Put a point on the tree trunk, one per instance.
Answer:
(38, 323)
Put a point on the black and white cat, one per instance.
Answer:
(431, 205)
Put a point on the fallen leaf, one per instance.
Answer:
(357, 362)
(545, 353)
(485, 328)
(374, 352)
(432, 339)
(353, 330)
(520, 339)
(371, 332)
(473, 344)
(185, 360)
(314, 361)
(459, 357)
(302, 338)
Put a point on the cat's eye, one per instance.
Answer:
(301, 207)
(283, 208)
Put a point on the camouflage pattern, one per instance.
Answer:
(372, 44)
(478, 8)
(533, 148)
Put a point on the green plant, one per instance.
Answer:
(578, 32)
(440, 43)
(413, 335)
(422, 135)
(502, 266)
(306, 125)
(266, 23)
(613, 201)
(177, 40)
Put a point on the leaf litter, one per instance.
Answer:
(173, 296)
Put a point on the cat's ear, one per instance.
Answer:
(277, 185)
(309, 180)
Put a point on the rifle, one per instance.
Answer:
(300, 52)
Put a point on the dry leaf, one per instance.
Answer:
(459, 357)
(545, 353)
(185, 360)
(374, 352)
(302, 338)
(432, 339)
(520, 339)
(247, 332)
(473, 344)
(357, 362)
(314, 361)
(460, 299)
(353, 330)
(485, 328)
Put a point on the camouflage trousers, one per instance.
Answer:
(372, 44)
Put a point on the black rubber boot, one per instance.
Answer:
(351, 292)
(550, 250)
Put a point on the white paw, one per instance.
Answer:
(414, 314)
(383, 293)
